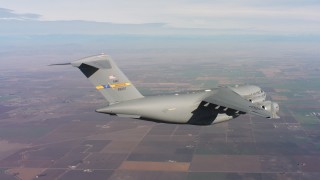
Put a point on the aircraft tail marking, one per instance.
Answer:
(105, 75)
(118, 85)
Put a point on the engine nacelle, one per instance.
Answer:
(255, 95)
(272, 107)
(257, 99)
(266, 105)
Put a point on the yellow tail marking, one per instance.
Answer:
(99, 87)
(119, 85)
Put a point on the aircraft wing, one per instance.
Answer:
(227, 98)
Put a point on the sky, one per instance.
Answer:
(286, 17)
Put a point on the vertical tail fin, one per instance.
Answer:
(104, 74)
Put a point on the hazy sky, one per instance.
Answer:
(269, 16)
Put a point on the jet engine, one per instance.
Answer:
(272, 107)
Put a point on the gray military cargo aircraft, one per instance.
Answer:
(199, 108)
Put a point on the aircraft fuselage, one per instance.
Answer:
(182, 108)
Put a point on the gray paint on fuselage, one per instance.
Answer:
(171, 108)
(184, 108)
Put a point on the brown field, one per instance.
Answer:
(155, 166)
(103, 161)
(81, 175)
(7, 148)
(146, 175)
(119, 147)
(25, 173)
(225, 163)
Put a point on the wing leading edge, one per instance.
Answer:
(227, 98)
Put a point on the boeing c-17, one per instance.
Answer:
(198, 108)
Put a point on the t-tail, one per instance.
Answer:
(107, 78)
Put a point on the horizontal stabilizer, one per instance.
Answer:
(59, 64)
